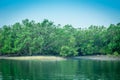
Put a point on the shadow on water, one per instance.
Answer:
(59, 70)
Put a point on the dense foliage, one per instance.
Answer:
(45, 38)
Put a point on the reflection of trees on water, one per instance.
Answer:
(57, 70)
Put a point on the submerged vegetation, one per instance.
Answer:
(45, 38)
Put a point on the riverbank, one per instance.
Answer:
(99, 57)
(33, 58)
(96, 57)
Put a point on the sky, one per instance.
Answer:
(79, 13)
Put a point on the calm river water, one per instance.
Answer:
(70, 69)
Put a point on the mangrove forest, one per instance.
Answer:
(46, 38)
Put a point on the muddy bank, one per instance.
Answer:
(96, 57)
(33, 58)
(99, 57)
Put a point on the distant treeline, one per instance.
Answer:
(45, 38)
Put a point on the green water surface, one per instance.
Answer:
(70, 69)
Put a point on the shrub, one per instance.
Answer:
(67, 51)
(116, 53)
